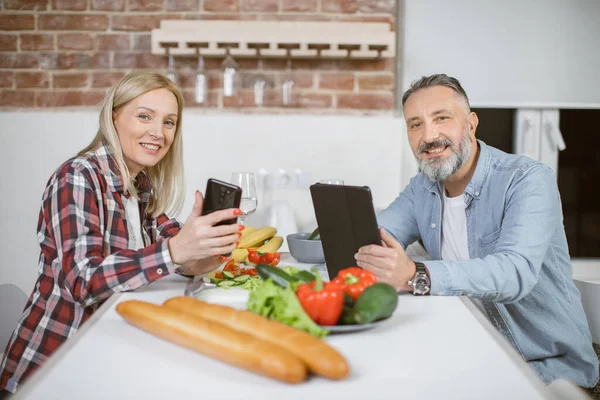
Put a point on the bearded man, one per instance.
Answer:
(492, 224)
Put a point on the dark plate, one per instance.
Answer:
(351, 328)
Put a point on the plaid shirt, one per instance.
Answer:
(85, 257)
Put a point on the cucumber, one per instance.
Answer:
(376, 302)
(315, 235)
(241, 278)
(228, 274)
(227, 284)
(279, 277)
(305, 276)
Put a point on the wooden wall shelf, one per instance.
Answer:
(297, 39)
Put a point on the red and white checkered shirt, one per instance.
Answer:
(85, 257)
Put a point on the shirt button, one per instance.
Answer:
(159, 271)
(433, 226)
(476, 193)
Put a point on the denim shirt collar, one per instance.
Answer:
(478, 179)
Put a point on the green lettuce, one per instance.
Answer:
(282, 305)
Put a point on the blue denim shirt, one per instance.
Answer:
(519, 260)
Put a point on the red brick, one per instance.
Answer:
(143, 41)
(187, 79)
(75, 41)
(366, 101)
(301, 64)
(73, 22)
(259, 5)
(377, 6)
(70, 80)
(298, 17)
(223, 17)
(37, 42)
(81, 61)
(145, 5)
(339, 6)
(75, 5)
(144, 60)
(8, 42)
(383, 64)
(311, 100)
(108, 5)
(113, 42)
(376, 82)
(6, 79)
(30, 80)
(19, 60)
(190, 101)
(26, 4)
(300, 5)
(302, 80)
(242, 99)
(17, 98)
(106, 79)
(222, 5)
(17, 22)
(183, 5)
(69, 98)
(336, 81)
(141, 22)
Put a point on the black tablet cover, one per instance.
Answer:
(346, 221)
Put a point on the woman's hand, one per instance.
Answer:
(199, 240)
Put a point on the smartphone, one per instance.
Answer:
(221, 195)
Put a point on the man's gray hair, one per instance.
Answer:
(436, 80)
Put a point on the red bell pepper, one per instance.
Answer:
(354, 280)
(269, 258)
(322, 302)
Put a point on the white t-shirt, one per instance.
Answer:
(455, 244)
(134, 226)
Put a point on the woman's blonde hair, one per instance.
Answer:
(167, 175)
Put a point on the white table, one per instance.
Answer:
(431, 348)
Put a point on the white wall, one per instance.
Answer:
(508, 53)
(359, 150)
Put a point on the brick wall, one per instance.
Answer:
(65, 53)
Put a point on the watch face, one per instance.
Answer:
(421, 285)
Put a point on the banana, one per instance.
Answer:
(239, 255)
(247, 230)
(272, 245)
(257, 238)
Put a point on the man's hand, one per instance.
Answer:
(388, 262)
(200, 267)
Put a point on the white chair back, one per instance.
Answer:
(12, 302)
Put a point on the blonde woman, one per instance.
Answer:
(103, 226)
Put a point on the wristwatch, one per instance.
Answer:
(420, 284)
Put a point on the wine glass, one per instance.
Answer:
(249, 202)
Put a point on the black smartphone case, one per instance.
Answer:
(346, 220)
(221, 195)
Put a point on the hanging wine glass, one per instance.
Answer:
(230, 68)
(288, 83)
(171, 66)
(260, 83)
(200, 93)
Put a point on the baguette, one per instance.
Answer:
(214, 340)
(321, 358)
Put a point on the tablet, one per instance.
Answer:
(346, 220)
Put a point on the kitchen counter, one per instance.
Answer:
(431, 348)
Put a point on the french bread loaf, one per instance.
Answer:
(320, 357)
(214, 340)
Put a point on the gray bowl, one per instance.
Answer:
(304, 250)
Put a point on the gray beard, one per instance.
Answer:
(439, 169)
